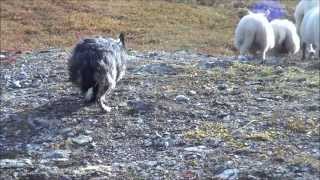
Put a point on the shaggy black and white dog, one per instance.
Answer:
(96, 65)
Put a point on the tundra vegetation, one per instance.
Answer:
(187, 108)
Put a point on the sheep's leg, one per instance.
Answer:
(254, 54)
(102, 100)
(243, 51)
(264, 56)
(304, 45)
(311, 52)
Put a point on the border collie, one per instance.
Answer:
(96, 65)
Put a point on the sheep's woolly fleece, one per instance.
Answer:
(254, 33)
(286, 37)
(302, 8)
(310, 29)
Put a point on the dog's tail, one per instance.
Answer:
(122, 40)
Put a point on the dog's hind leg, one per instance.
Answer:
(89, 95)
(103, 98)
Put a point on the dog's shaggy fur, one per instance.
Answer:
(96, 65)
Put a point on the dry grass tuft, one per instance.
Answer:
(162, 25)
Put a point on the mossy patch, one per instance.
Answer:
(309, 78)
(208, 130)
(262, 136)
(300, 125)
(306, 160)
(213, 130)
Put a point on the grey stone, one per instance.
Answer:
(40, 123)
(16, 84)
(182, 99)
(222, 87)
(192, 92)
(228, 174)
(65, 130)
(170, 163)
(15, 163)
(87, 132)
(161, 69)
(2, 56)
(153, 54)
(312, 107)
(151, 163)
(206, 64)
(58, 154)
(197, 149)
(33, 148)
(147, 142)
(140, 106)
(82, 139)
(159, 142)
(261, 99)
(83, 170)
(122, 104)
(39, 175)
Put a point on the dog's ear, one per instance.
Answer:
(122, 40)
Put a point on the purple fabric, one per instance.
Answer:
(275, 8)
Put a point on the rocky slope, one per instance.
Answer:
(175, 115)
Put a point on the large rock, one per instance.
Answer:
(15, 163)
(82, 139)
(228, 174)
(58, 154)
(139, 106)
(182, 99)
(160, 69)
(206, 64)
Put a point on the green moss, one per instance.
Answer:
(300, 125)
(306, 160)
(216, 73)
(213, 130)
(313, 80)
(309, 78)
(266, 71)
(262, 136)
(247, 71)
(244, 67)
(208, 130)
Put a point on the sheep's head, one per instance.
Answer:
(242, 12)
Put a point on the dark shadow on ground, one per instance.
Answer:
(23, 126)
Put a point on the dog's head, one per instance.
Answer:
(122, 40)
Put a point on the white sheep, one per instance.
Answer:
(254, 33)
(286, 37)
(310, 33)
(301, 9)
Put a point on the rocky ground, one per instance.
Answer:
(176, 115)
